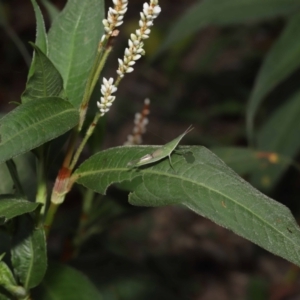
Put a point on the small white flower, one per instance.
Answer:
(120, 73)
(156, 10)
(129, 70)
(114, 17)
(107, 89)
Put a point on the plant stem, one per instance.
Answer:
(88, 201)
(100, 68)
(41, 195)
(89, 87)
(71, 147)
(93, 77)
(87, 204)
(88, 133)
(60, 188)
(49, 217)
(63, 183)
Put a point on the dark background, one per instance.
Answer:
(170, 252)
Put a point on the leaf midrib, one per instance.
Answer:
(35, 124)
(31, 260)
(190, 181)
(73, 38)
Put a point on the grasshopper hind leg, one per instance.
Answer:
(170, 160)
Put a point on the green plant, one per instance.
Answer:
(60, 84)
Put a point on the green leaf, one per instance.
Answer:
(53, 12)
(6, 276)
(282, 60)
(25, 164)
(203, 183)
(220, 12)
(280, 134)
(11, 207)
(34, 123)
(8, 281)
(64, 283)
(41, 36)
(28, 253)
(6, 186)
(12, 168)
(45, 81)
(73, 42)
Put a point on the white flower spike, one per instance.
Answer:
(140, 123)
(135, 45)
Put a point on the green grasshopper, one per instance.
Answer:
(160, 153)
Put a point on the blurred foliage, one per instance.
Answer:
(244, 61)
